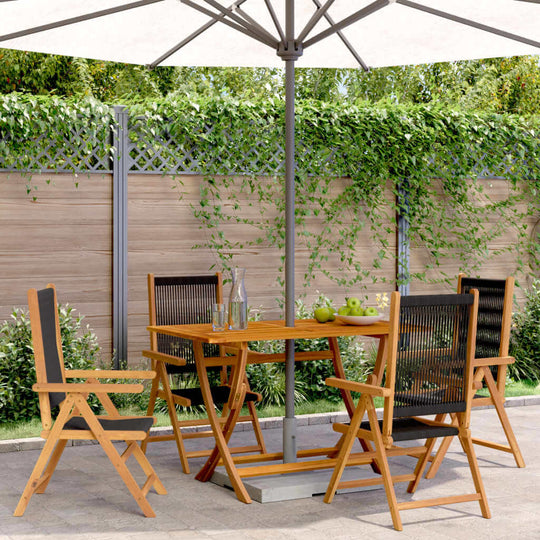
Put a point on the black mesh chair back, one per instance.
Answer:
(52, 349)
(490, 314)
(432, 355)
(184, 300)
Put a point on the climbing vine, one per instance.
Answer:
(66, 134)
(358, 168)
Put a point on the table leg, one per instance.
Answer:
(223, 434)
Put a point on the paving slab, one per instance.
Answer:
(87, 500)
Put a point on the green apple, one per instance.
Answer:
(357, 312)
(344, 310)
(332, 316)
(322, 314)
(371, 312)
(353, 302)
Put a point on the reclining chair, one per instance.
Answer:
(75, 419)
(492, 340)
(187, 300)
(429, 371)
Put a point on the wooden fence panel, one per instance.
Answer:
(162, 231)
(496, 266)
(63, 237)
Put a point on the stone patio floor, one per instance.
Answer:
(87, 499)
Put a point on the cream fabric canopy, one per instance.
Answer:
(397, 33)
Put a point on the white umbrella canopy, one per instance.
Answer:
(309, 33)
(393, 33)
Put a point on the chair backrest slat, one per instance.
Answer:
(183, 300)
(429, 369)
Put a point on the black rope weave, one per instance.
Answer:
(184, 300)
(431, 356)
(490, 314)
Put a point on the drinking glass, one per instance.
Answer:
(219, 317)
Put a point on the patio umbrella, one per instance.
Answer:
(310, 33)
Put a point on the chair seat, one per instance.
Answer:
(407, 429)
(142, 423)
(220, 395)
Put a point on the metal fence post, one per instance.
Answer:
(403, 255)
(120, 168)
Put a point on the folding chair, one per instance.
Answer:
(492, 340)
(429, 371)
(75, 419)
(188, 300)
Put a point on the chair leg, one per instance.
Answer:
(151, 405)
(498, 401)
(256, 426)
(171, 408)
(421, 466)
(37, 478)
(441, 452)
(382, 463)
(116, 459)
(346, 444)
(51, 466)
(126, 476)
(151, 475)
(468, 448)
(34, 481)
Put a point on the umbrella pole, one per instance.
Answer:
(289, 422)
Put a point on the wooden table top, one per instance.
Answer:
(271, 330)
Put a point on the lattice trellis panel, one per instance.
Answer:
(164, 153)
(79, 152)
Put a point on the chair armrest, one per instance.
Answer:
(353, 386)
(495, 361)
(108, 374)
(89, 387)
(162, 357)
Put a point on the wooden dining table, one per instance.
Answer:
(237, 341)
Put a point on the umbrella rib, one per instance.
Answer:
(189, 38)
(245, 21)
(315, 18)
(276, 20)
(217, 17)
(256, 25)
(79, 18)
(361, 14)
(346, 42)
(468, 22)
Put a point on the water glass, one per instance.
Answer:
(219, 317)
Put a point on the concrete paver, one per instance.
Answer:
(87, 500)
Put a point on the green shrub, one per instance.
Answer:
(525, 338)
(17, 370)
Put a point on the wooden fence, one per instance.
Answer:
(65, 237)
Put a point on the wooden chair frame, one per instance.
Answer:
(382, 439)
(161, 388)
(75, 405)
(496, 388)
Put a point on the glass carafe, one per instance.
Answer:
(238, 301)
